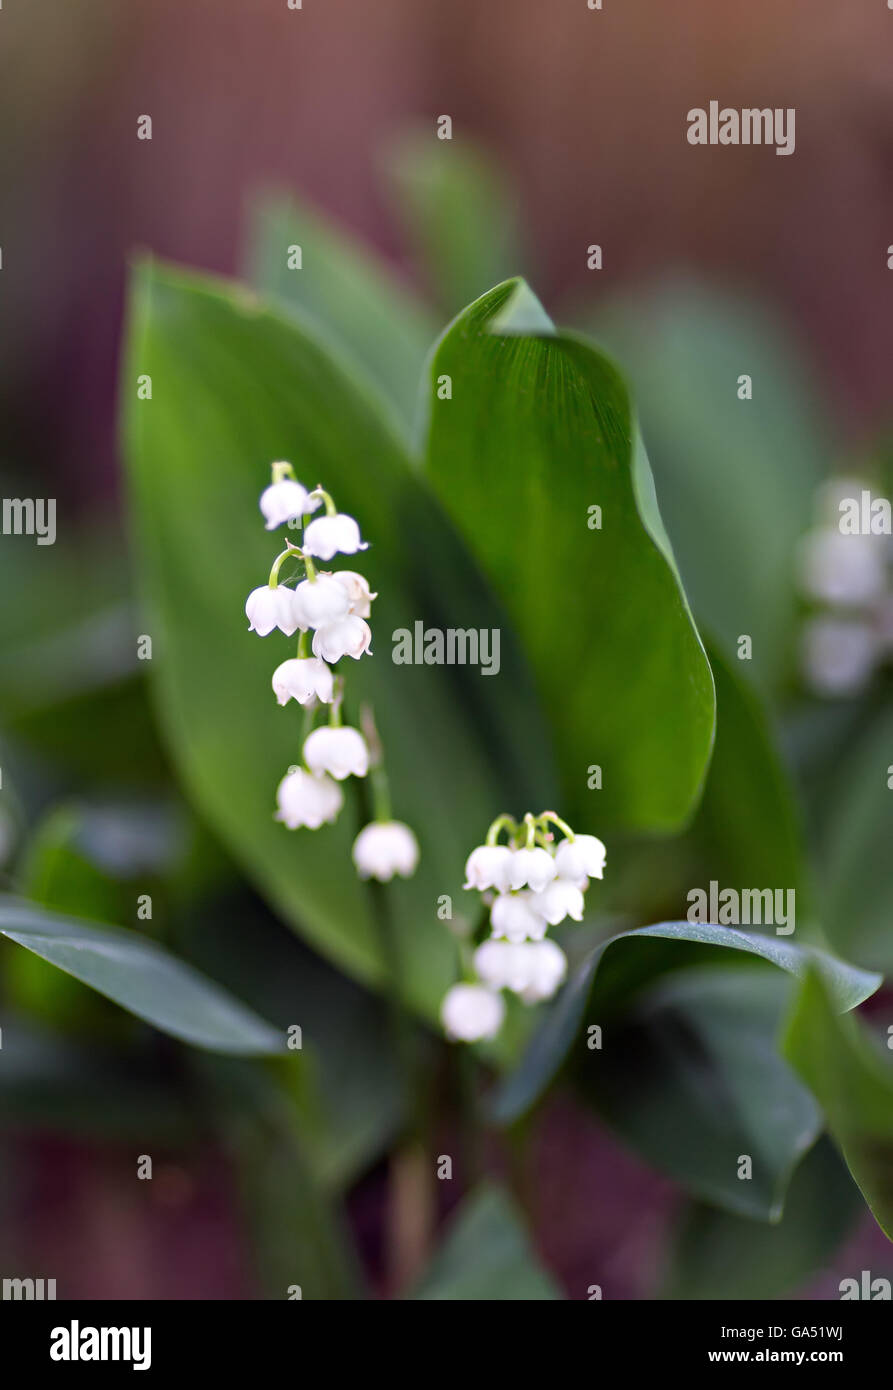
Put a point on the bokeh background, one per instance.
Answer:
(585, 111)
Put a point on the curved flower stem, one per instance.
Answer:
(502, 821)
(378, 777)
(281, 471)
(290, 549)
(331, 509)
(556, 820)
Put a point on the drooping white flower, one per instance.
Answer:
(358, 592)
(532, 868)
(303, 678)
(582, 857)
(266, 608)
(488, 866)
(533, 969)
(347, 636)
(559, 899)
(333, 535)
(839, 654)
(319, 601)
(471, 1012)
(385, 848)
(840, 569)
(339, 752)
(514, 916)
(305, 800)
(285, 501)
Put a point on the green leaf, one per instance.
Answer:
(856, 863)
(460, 212)
(346, 293)
(735, 477)
(717, 1255)
(630, 961)
(235, 386)
(486, 1255)
(537, 431)
(853, 1082)
(142, 977)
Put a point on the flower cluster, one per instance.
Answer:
(528, 885)
(335, 608)
(844, 571)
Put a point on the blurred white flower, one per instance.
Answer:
(844, 570)
(532, 868)
(333, 535)
(358, 591)
(385, 848)
(839, 654)
(558, 900)
(532, 969)
(304, 800)
(514, 916)
(285, 501)
(347, 636)
(489, 866)
(303, 678)
(340, 752)
(471, 1012)
(580, 858)
(267, 608)
(319, 601)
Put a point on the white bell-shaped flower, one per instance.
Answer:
(333, 535)
(385, 848)
(533, 969)
(844, 570)
(559, 899)
(358, 592)
(580, 858)
(347, 636)
(285, 501)
(532, 868)
(471, 1012)
(339, 752)
(839, 655)
(267, 608)
(305, 800)
(489, 866)
(303, 678)
(319, 601)
(514, 916)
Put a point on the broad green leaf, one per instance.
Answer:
(853, 1082)
(538, 430)
(856, 862)
(746, 827)
(460, 212)
(142, 977)
(735, 477)
(235, 386)
(486, 1255)
(630, 961)
(346, 292)
(718, 1255)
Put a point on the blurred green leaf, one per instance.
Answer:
(716, 1254)
(346, 293)
(486, 1255)
(735, 477)
(236, 386)
(460, 212)
(853, 1082)
(537, 431)
(856, 862)
(630, 961)
(136, 973)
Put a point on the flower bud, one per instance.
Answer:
(304, 679)
(514, 916)
(532, 868)
(340, 752)
(320, 601)
(582, 857)
(385, 848)
(358, 592)
(266, 608)
(304, 800)
(488, 867)
(347, 636)
(471, 1012)
(332, 535)
(285, 501)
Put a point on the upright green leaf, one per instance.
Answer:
(235, 385)
(486, 1256)
(536, 431)
(144, 979)
(347, 293)
(853, 1082)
